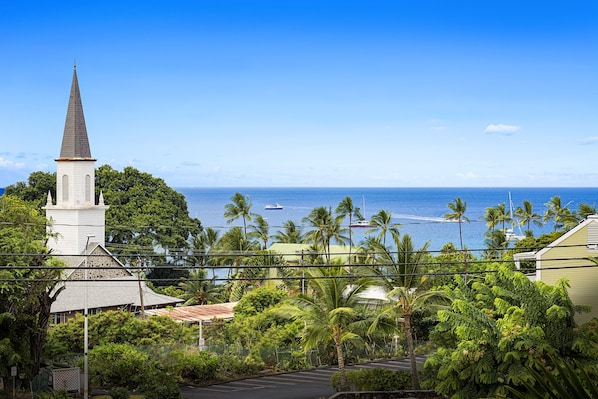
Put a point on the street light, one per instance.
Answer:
(86, 329)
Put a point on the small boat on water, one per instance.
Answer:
(271, 207)
(361, 223)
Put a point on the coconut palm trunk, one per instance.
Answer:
(340, 358)
(411, 349)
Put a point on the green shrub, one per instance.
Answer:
(61, 394)
(117, 365)
(158, 384)
(119, 393)
(199, 365)
(376, 379)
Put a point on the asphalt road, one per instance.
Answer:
(307, 384)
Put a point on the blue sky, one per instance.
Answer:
(308, 93)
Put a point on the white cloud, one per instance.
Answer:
(501, 128)
(589, 140)
(467, 175)
(5, 163)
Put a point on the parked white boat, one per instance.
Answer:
(271, 207)
(510, 233)
(364, 222)
(361, 223)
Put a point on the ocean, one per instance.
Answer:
(419, 211)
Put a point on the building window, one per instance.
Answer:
(87, 188)
(65, 187)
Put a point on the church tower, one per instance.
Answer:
(75, 218)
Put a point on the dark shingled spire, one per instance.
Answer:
(75, 144)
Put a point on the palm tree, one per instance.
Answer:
(527, 216)
(345, 208)
(404, 303)
(492, 217)
(557, 212)
(585, 210)
(383, 221)
(402, 274)
(239, 207)
(399, 264)
(291, 233)
(496, 243)
(202, 247)
(326, 228)
(199, 290)
(330, 311)
(504, 215)
(458, 208)
(260, 230)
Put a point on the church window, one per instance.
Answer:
(65, 187)
(87, 188)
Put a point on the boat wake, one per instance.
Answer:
(432, 219)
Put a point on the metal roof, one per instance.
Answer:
(197, 313)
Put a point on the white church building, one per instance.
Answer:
(77, 225)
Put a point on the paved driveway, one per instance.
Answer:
(308, 384)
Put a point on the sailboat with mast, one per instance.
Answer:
(510, 233)
(362, 222)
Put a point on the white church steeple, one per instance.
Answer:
(75, 216)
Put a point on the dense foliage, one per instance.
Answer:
(28, 276)
(497, 326)
(147, 224)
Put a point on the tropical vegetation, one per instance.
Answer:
(487, 330)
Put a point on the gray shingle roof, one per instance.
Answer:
(107, 293)
(75, 144)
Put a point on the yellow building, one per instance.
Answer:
(569, 257)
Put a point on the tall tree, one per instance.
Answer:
(504, 215)
(330, 311)
(585, 210)
(346, 208)
(458, 209)
(383, 222)
(527, 216)
(496, 244)
(290, 233)
(403, 275)
(29, 286)
(557, 212)
(35, 189)
(325, 229)
(145, 214)
(260, 230)
(239, 207)
(202, 247)
(199, 290)
(492, 217)
(404, 303)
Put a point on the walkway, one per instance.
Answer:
(307, 384)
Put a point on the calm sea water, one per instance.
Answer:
(419, 211)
